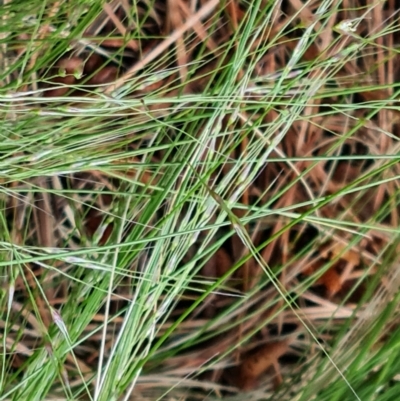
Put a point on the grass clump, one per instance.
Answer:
(199, 199)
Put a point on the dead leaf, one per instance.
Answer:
(104, 76)
(337, 250)
(258, 362)
(331, 281)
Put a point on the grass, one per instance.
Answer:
(199, 199)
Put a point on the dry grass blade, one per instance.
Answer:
(204, 11)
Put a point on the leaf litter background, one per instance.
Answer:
(284, 114)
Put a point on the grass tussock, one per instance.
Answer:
(199, 199)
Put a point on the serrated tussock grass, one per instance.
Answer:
(199, 199)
